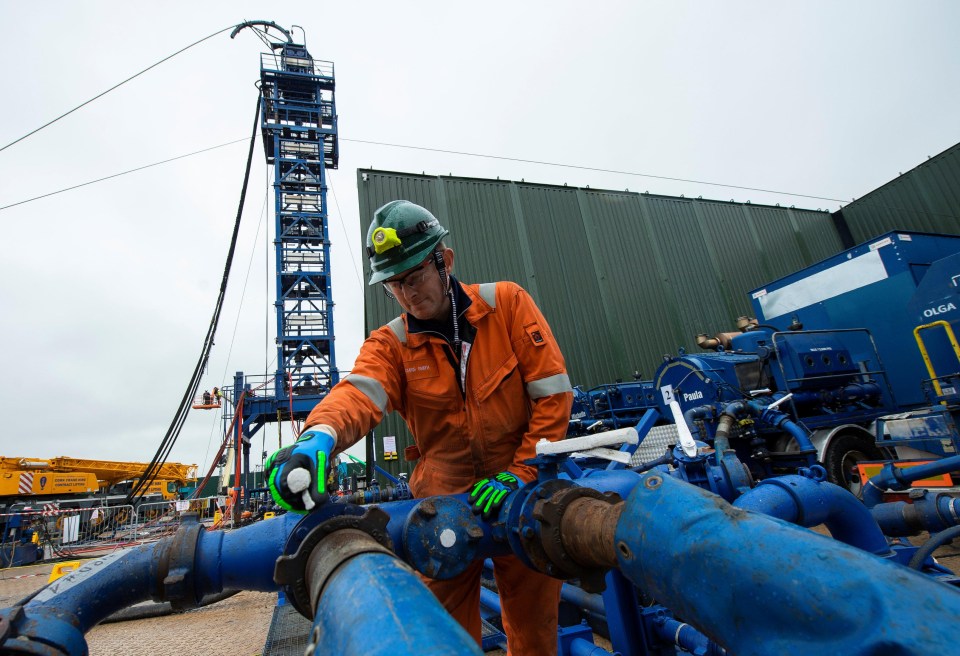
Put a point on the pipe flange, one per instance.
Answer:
(290, 568)
(175, 569)
(441, 537)
(529, 526)
(550, 513)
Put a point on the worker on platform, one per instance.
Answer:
(477, 375)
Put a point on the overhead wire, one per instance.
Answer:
(117, 175)
(589, 168)
(345, 233)
(116, 86)
(173, 432)
(497, 157)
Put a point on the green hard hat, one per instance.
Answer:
(400, 237)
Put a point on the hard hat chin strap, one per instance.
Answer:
(448, 289)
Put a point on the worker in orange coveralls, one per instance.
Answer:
(477, 393)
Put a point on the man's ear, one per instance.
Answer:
(448, 259)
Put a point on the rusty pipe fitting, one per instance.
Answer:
(707, 343)
(725, 339)
(586, 531)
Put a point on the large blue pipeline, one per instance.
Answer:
(742, 577)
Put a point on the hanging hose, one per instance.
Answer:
(935, 542)
(173, 432)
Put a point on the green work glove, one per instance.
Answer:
(297, 474)
(488, 494)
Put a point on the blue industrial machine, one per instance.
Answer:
(608, 407)
(857, 354)
(300, 139)
(783, 399)
(18, 544)
(688, 557)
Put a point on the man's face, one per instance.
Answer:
(419, 290)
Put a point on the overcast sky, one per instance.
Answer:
(107, 290)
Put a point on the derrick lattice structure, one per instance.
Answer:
(299, 122)
(299, 125)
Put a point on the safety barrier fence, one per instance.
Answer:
(75, 529)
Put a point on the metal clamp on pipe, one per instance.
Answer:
(175, 580)
(331, 552)
(294, 569)
(574, 533)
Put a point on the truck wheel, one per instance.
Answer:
(841, 458)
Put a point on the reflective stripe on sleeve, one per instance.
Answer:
(399, 329)
(557, 384)
(371, 388)
(488, 292)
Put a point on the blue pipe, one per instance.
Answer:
(925, 512)
(373, 590)
(850, 393)
(592, 603)
(894, 478)
(581, 647)
(774, 588)
(580, 598)
(686, 637)
(239, 560)
(804, 501)
(694, 413)
(782, 421)
(621, 481)
(490, 599)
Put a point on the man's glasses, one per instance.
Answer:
(411, 280)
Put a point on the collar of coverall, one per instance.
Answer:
(465, 307)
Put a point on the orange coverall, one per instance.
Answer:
(515, 392)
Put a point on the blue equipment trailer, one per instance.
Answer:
(904, 287)
(890, 286)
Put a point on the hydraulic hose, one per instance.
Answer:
(693, 414)
(931, 545)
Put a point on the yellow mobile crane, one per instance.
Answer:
(23, 479)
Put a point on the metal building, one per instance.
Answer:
(924, 199)
(623, 278)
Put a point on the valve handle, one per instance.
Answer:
(687, 443)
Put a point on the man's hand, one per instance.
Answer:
(297, 474)
(488, 494)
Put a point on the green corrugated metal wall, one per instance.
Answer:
(622, 277)
(925, 199)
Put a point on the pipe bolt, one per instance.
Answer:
(527, 532)
(427, 509)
